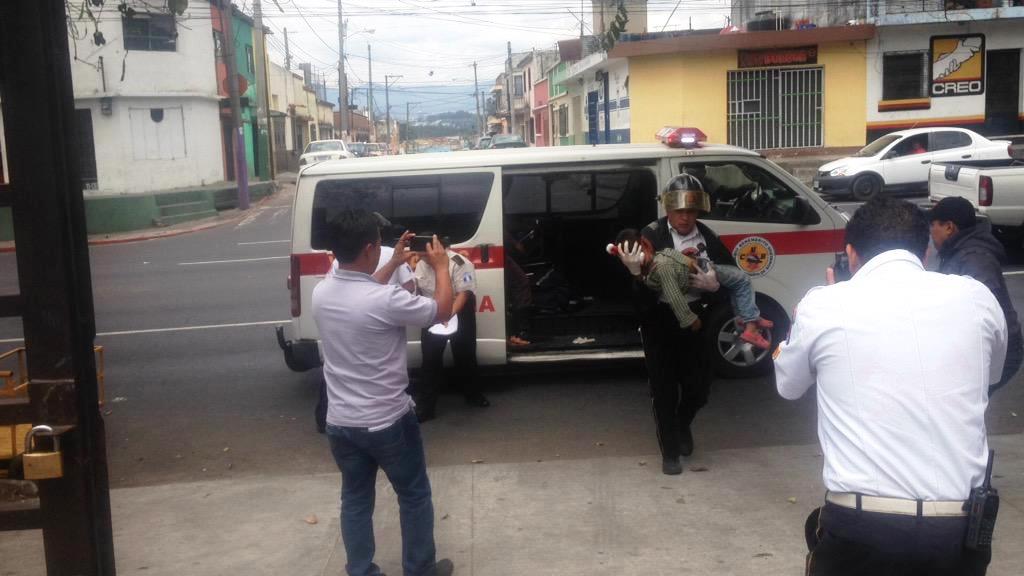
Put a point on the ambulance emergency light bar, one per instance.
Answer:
(675, 137)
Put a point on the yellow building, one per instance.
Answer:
(760, 90)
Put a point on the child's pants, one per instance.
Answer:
(740, 292)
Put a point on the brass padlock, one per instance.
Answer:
(42, 465)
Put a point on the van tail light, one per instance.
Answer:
(985, 191)
(295, 285)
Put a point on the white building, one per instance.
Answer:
(929, 65)
(147, 102)
(604, 86)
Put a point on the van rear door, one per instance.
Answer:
(463, 205)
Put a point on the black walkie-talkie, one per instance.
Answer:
(982, 508)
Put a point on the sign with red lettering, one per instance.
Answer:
(486, 304)
(777, 57)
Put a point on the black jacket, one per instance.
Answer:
(645, 300)
(659, 233)
(976, 253)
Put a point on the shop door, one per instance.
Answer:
(592, 118)
(1002, 93)
(776, 108)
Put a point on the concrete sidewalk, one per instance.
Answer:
(732, 512)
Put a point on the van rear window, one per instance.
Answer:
(449, 205)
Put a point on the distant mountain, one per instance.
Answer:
(424, 100)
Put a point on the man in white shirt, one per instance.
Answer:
(402, 275)
(463, 340)
(370, 419)
(902, 359)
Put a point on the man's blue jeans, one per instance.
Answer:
(398, 450)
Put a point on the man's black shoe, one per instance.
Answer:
(686, 441)
(444, 567)
(671, 466)
(477, 399)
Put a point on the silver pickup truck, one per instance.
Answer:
(995, 187)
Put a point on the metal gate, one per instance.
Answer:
(776, 108)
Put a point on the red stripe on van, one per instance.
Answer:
(314, 263)
(792, 243)
(495, 257)
(319, 263)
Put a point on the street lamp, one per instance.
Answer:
(387, 102)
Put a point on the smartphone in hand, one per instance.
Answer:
(419, 243)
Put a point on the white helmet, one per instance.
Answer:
(685, 192)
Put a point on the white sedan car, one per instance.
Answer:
(320, 150)
(901, 160)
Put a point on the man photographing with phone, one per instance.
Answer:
(902, 359)
(370, 419)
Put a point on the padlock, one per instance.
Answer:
(42, 465)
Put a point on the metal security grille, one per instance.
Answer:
(776, 108)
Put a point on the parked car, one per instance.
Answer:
(482, 143)
(995, 187)
(900, 161)
(378, 149)
(359, 149)
(507, 141)
(320, 150)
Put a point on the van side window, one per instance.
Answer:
(450, 205)
(565, 193)
(744, 192)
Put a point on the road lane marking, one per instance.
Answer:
(1014, 273)
(233, 261)
(175, 329)
(263, 242)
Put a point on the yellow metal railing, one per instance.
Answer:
(14, 380)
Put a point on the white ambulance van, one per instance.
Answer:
(547, 214)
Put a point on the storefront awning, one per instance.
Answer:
(742, 40)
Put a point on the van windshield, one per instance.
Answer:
(877, 146)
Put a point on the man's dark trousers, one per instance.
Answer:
(463, 353)
(679, 373)
(398, 451)
(845, 542)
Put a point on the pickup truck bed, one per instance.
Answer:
(996, 188)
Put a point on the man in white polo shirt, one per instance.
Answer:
(370, 419)
(903, 359)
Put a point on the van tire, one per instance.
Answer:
(731, 360)
(866, 187)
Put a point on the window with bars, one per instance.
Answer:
(904, 75)
(152, 32)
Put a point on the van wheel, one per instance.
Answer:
(866, 187)
(734, 358)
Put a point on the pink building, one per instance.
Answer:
(541, 114)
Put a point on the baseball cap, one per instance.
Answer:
(953, 209)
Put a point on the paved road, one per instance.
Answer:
(219, 403)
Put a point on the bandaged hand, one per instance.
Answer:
(632, 257)
(705, 281)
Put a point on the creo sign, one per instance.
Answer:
(957, 65)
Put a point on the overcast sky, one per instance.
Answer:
(435, 42)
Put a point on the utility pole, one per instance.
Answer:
(476, 98)
(342, 81)
(287, 53)
(369, 96)
(387, 104)
(508, 92)
(262, 136)
(241, 167)
(408, 129)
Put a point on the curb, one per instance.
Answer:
(159, 235)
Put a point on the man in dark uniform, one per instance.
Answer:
(678, 360)
(968, 248)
